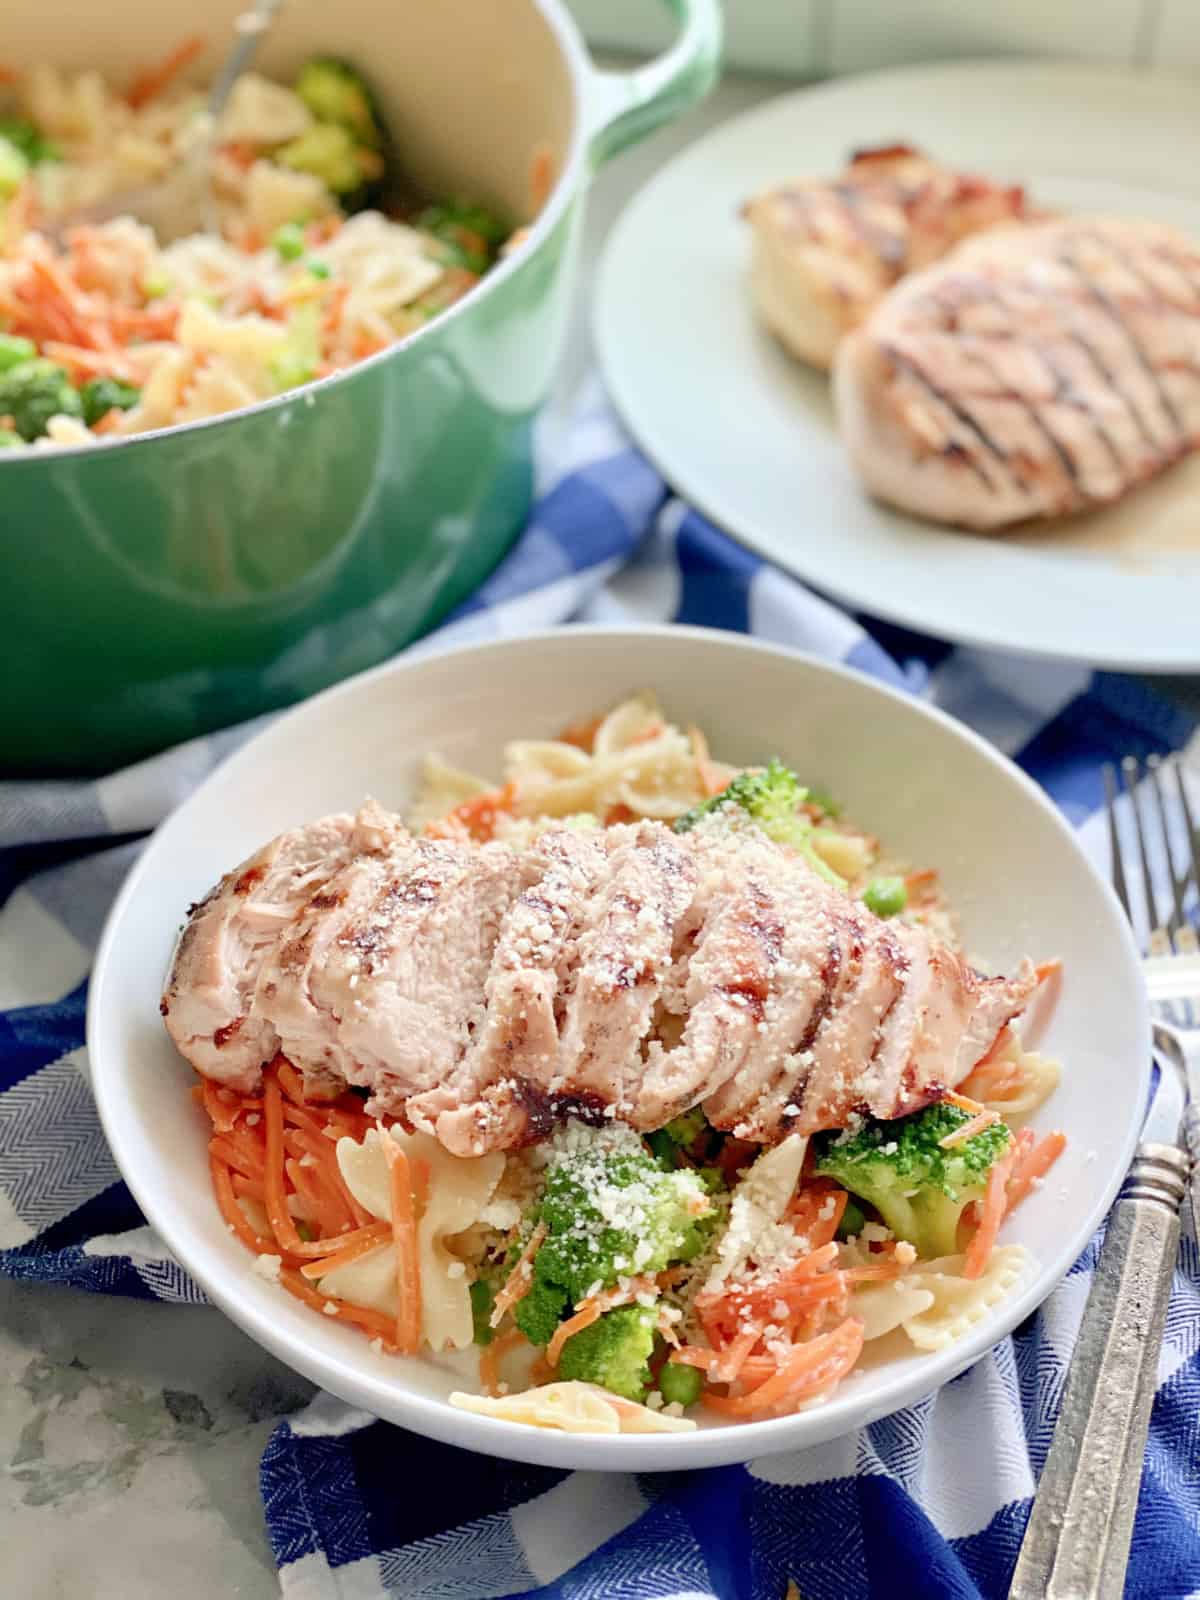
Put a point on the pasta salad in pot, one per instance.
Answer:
(318, 261)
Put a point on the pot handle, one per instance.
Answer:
(626, 106)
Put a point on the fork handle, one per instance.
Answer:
(1191, 1134)
(1076, 1545)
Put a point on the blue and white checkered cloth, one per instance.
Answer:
(929, 1503)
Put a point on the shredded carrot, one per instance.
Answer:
(713, 777)
(517, 1284)
(369, 1239)
(875, 1272)
(404, 1232)
(222, 1105)
(810, 1367)
(475, 818)
(587, 1313)
(619, 813)
(991, 1215)
(276, 1195)
(492, 1354)
(582, 734)
(10, 75)
(806, 1213)
(1033, 1165)
(917, 880)
(967, 1130)
(235, 1156)
(541, 176)
(232, 1211)
(1047, 969)
(963, 1103)
(250, 1187)
(150, 84)
(364, 1317)
(328, 1210)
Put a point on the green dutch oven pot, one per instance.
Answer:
(155, 588)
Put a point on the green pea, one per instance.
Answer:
(14, 350)
(319, 269)
(853, 1221)
(680, 1385)
(885, 896)
(288, 241)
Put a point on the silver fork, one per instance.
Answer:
(1076, 1545)
(1172, 967)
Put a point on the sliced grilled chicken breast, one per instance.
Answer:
(497, 1097)
(824, 253)
(485, 993)
(1034, 373)
(207, 1001)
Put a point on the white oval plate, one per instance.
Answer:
(937, 793)
(747, 435)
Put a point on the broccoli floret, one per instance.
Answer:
(540, 1310)
(99, 396)
(329, 153)
(13, 168)
(771, 798)
(35, 391)
(611, 1211)
(299, 356)
(14, 350)
(679, 1134)
(28, 140)
(900, 1168)
(468, 234)
(335, 93)
(614, 1352)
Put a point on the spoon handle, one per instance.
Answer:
(251, 28)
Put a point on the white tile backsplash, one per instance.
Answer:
(806, 38)
(768, 35)
(1176, 39)
(881, 33)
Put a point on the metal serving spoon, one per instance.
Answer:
(182, 203)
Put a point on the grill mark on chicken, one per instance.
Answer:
(960, 413)
(1112, 306)
(1110, 378)
(1034, 413)
(1071, 347)
(800, 1006)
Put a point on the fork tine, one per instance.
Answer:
(1129, 770)
(1193, 838)
(1116, 863)
(1176, 920)
(1191, 871)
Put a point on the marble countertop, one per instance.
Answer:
(131, 1432)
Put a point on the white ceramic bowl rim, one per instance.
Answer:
(708, 1446)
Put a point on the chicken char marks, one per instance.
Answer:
(1034, 373)
(485, 993)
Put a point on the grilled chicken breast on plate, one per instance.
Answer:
(1036, 372)
(484, 992)
(825, 252)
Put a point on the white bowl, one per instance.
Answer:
(936, 793)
